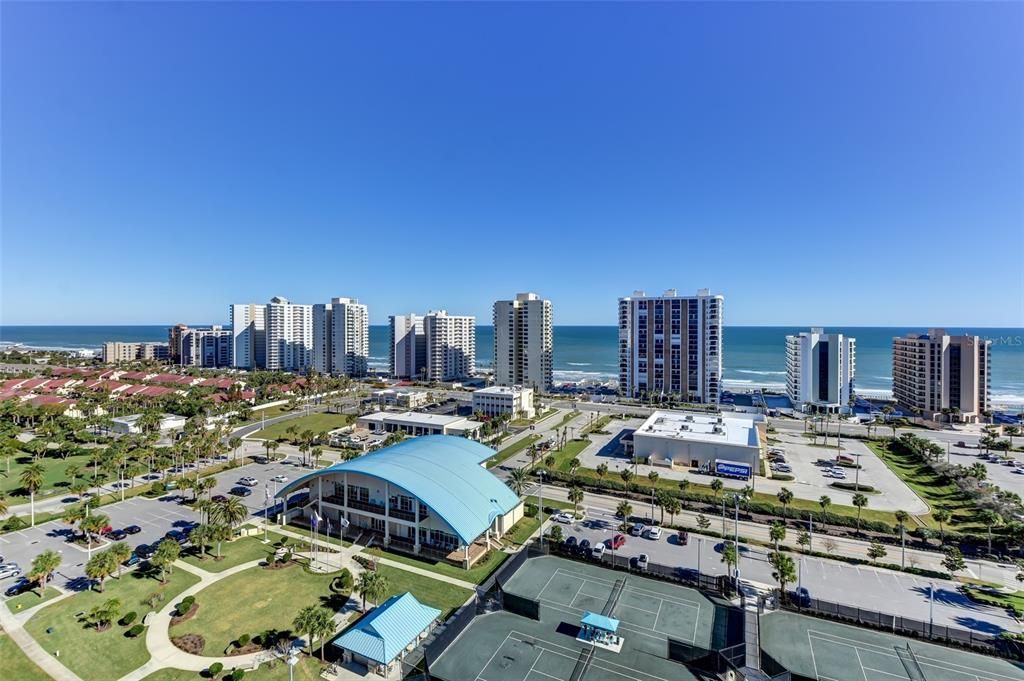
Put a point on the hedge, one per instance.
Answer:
(853, 487)
(135, 631)
(128, 619)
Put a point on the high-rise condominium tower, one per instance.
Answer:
(248, 335)
(523, 342)
(289, 335)
(451, 346)
(671, 345)
(935, 374)
(341, 337)
(820, 369)
(408, 347)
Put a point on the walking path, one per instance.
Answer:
(35, 652)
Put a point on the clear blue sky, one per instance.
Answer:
(822, 163)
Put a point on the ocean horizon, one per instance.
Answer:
(754, 356)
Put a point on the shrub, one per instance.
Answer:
(344, 580)
(184, 606)
(216, 668)
(853, 487)
(128, 619)
(14, 523)
(158, 487)
(237, 674)
(243, 640)
(784, 477)
(135, 631)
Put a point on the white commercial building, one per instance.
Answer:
(417, 423)
(129, 425)
(289, 335)
(405, 399)
(341, 337)
(249, 335)
(523, 342)
(204, 347)
(451, 346)
(671, 345)
(501, 399)
(820, 370)
(408, 347)
(723, 444)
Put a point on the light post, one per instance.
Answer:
(292, 660)
(736, 502)
(540, 505)
(700, 542)
(810, 533)
(931, 604)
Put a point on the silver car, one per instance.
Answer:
(9, 570)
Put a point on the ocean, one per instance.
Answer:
(754, 355)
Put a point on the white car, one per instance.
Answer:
(642, 561)
(784, 468)
(563, 517)
(279, 478)
(9, 570)
(654, 533)
(597, 551)
(249, 481)
(838, 473)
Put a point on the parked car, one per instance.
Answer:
(118, 535)
(802, 597)
(240, 491)
(133, 559)
(637, 529)
(279, 478)
(19, 587)
(584, 547)
(597, 552)
(145, 551)
(642, 561)
(132, 529)
(682, 537)
(171, 485)
(106, 530)
(617, 542)
(783, 468)
(249, 481)
(9, 570)
(653, 533)
(563, 517)
(218, 498)
(570, 544)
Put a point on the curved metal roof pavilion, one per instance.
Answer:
(443, 471)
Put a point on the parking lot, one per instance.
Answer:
(1000, 474)
(861, 586)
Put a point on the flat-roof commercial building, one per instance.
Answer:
(116, 352)
(523, 342)
(680, 439)
(671, 345)
(341, 337)
(499, 399)
(424, 495)
(129, 425)
(820, 370)
(405, 399)
(935, 371)
(418, 423)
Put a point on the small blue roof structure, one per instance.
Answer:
(383, 633)
(443, 472)
(602, 622)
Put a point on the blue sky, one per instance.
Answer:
(822, 163)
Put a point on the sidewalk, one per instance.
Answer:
(35, 652)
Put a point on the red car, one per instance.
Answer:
(106, 530)
(617, 542)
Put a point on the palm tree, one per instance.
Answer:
(824, 501)
(601, 470)
(785, 497)
(517, 480)
(785, 570)
(777, 532)
(167, 551)
(99, 567)
(199, 538)
(625, 510)
(716, 487)
(316, 622)
(626, 475)
(574, 466)
(43, 565)
(860, 501)
(576, 497)
(92, 525)
(672, 507)
(684, 485)
(989, 518)
(102, 615)
(31, 479)
(234, 443)
(901, 520)
(372, 586)
(941, 516)
(120, 552)
(4, 509)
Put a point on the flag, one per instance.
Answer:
(314, 519)
(328, 526)
(344, 522)
(266, 493)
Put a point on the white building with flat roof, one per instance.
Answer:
(681, 439)
(451, 346)
(408, 347)
(418, 423)
(248, 335)
(500, 399)
(820, 369)
(523, 342)
(397, 397)
(289, 335)
(129, 425)
(341, 337)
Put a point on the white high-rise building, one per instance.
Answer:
(523, 343)
(408, 347)
(248, 335)
(820, 370)
(451, 346)
(289, 335)
(671, 345)
(204, 347)
(341, 337)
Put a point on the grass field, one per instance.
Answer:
(106, 655)
(272, 599)
(55, 477)
(14, 664)
(31, 599)
(234, 553)
(308, 669)
(566, 454)
(477, 574)
(510, 451)
(447, 597)
(315, 422)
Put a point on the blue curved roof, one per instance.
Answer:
(443, 472)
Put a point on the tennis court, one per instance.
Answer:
(829, 651)
(503, 646)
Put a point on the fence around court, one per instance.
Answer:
(906, 626)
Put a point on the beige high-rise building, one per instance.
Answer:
(451, 346)
(523, 344)
(935, 371)
(341, 337)
(115, 352)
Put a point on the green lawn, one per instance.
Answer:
(31, 599)
(511, 450)
(527, 527)
(55, 477)
(432, 592)
(234, 553)
(936, 492)
(566, 454)
(107, 655)
(568, 417)
(15, 665)
(1014, 600)
(315, 422)
(271, 600)
(308, 669)
(477, 574)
